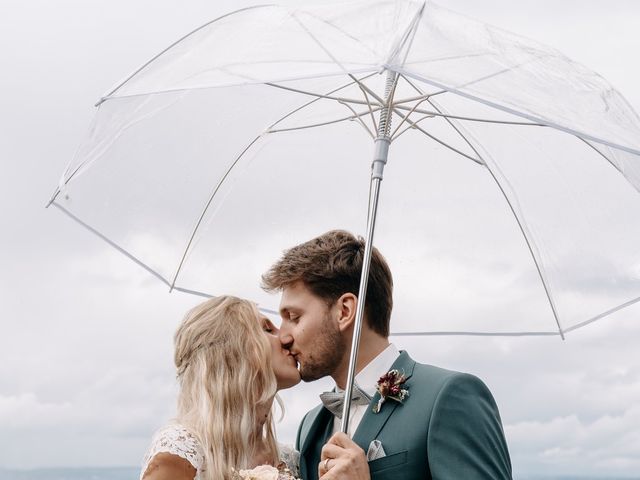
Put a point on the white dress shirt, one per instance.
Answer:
(367, 380)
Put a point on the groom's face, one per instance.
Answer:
(310, 332)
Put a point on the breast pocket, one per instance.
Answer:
(389, 462)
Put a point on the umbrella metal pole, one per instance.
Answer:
(380, 156)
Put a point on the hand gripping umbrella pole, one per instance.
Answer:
(381, 151)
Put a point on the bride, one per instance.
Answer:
(230, 364)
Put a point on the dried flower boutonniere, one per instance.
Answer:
(390, 386)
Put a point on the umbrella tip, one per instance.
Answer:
(53, 198)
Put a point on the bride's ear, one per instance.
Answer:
(346, 310)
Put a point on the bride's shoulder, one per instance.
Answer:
(177, 441)
(175, 434)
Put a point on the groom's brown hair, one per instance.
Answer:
(330, 265)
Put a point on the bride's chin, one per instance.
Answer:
(290, 381)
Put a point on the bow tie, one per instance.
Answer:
(334, 401)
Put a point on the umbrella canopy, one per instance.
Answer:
(512, 185)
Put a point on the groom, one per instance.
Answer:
(446, 428)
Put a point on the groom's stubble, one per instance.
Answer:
(327, 353)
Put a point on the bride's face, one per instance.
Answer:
(284, 365)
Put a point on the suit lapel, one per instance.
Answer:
(372, 423)
(318, 422)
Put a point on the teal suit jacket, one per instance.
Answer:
(448, 428)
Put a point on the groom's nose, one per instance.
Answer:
(285, 337)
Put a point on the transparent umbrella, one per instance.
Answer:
(511, 194)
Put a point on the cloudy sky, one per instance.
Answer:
(86, 372)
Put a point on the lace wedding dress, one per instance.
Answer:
(177, 440)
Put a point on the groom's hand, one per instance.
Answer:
(341, 458)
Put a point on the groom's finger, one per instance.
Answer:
(331, 451)
(341, 457)
(327, 457)
(324, 466)
(342, 440)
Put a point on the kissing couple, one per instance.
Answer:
(407, 420)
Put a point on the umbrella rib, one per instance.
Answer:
(480, 79)
(404, 119)
(317, 98)
(323, 48)
(359, 118)
(320, 95)
(381, 102)
(355, 80)
(526, 239)
(520, 225)
(65, 180)
(513, 111)
(441, 142)
(337, 62)
(232, 166)
(112, 243)
(531, 249)
(366, 97)
(602, 155)
(355, 116)
(206, 207)
(470, 119)
(409, 35)
(603, 314)
(412, 127)
(475, 334)
(114, 90)
(322, 20)
(426, 96)
(198, 293)
(455, 127)
(523, 233)
(477, 80)
(248, 81)
(511, 207)
(447, 119)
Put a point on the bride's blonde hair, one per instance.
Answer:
(223, 360)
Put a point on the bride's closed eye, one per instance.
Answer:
(267, 326)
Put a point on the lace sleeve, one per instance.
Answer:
(177, 440)
(291, 457)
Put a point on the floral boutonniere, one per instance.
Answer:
(390, 386)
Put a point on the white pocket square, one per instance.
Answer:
(375, 450)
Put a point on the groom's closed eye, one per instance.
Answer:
(289, 316)
(292, 316)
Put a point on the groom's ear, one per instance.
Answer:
(346, 310)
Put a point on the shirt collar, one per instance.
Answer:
(368, 377)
